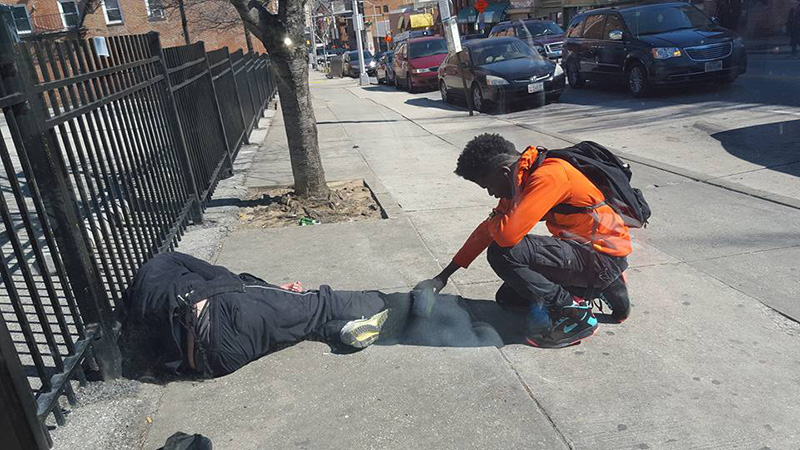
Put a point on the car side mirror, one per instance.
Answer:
(615, 35)
(714, 20)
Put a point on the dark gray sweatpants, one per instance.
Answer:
(548, 271)
(244, 326)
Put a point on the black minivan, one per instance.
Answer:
(649, 45)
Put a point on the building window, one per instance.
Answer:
(69, 13)
(155, 10)
(385, 9)
(112, 11)
(21, 20)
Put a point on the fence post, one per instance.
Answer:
(58, 196)
(245, 135)
(228, 152)
(248, 71)
(154, 44)
(19, 426)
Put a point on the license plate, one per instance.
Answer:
(713, 66)
(535, 87)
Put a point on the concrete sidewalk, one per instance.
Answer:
(702, 363)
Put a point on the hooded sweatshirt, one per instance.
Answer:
(535, 193)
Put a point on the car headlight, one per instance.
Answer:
(492, 80)
(666, 52)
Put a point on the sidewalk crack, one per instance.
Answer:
(567, 442)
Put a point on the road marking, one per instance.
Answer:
(790, 113)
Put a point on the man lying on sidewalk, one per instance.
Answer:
(544, 272)
(193, 317)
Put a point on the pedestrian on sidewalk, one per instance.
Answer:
(793, 28)
(546, 274)
(188, 316)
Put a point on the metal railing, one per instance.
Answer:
(106, 159)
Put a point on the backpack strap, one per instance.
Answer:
(564, 208)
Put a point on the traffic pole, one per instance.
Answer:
(450, 26)
(363, 78)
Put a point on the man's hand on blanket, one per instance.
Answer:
(294, 287)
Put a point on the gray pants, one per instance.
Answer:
(548, 271)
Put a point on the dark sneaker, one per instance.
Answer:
(361, 333)
(575, 324)
(615, 296)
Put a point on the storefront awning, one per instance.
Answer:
(421, 21)
(468, 15)
(494, 13)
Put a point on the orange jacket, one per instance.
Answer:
(555, 181)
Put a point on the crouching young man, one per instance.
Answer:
(189, 316)
(544, 273)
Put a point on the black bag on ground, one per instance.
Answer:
(609, 174)
(183, 441)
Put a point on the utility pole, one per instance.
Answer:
(450, 26)
(313, 36)
(363, 78)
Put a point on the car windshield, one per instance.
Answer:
(534, 29)
(492, 52)
(654, 20)
(427, 48)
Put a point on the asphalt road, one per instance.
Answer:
(747, 133)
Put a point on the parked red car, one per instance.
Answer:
(416, 62)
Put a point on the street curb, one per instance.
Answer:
(391, 209)
(686, 173)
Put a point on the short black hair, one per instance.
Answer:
(483, 154)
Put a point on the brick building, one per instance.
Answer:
(118, 17)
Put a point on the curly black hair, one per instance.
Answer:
(482, 154)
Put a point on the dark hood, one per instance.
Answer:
(517, 69)
(689, 38)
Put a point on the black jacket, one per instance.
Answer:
(162, 290)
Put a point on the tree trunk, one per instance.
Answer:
(283, 35)
(248, 40)
(184, 23)
(301, 126)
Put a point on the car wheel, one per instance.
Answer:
(443, 91)
(409, 83)
(574, 76)
(478, 102)
(637, 80)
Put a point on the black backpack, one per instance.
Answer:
(611, 176)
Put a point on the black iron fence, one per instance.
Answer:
(109, 149)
